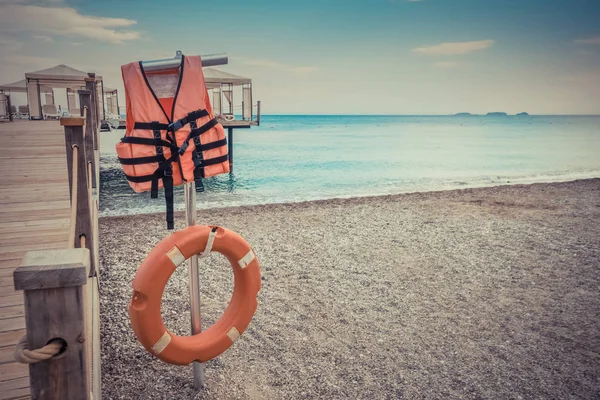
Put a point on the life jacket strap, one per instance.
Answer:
(144, 141)
(196, 157)
(173, 126)
(164, 172)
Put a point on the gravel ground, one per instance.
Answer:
(476, 293)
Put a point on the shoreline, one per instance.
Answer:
(353, 197)
(471, 293)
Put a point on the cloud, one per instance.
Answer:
(446, 64)
(44, 38)
(64, 21)
(261, 63)
(30, 62)
(302, 69)
(9, 45)
(276, 65)
(33, 2)
(594, 40)
(453, 48)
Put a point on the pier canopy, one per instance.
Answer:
(21, 87)
(221, 86)
(111, 103)
(60, 76)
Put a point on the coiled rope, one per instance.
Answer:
(25, 356)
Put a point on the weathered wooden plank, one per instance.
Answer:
(11, 255)
(13, 311)
(6, 273)
(52, 269)
(39, 246)
(34, 233)
(12, 299)
(11, 260)
(12, 371)
(16, 226)
(39, 239)
(11, 338)
(7, 355)
(16, 383)
(12, 324)
(15, 394)
(72, 121)
(5, 282)
(33, 215)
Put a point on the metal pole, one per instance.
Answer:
(230, 148)
(190, 214)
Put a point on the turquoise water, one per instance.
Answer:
(298, 158)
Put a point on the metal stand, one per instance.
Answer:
(190, 204)
(190, 214)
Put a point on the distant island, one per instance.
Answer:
(522, 113)
(463, 114)
(497, 114)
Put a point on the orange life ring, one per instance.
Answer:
(152, 276)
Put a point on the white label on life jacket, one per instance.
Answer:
(233, 334)
(247, 259)
(175, 255)
(164, 86)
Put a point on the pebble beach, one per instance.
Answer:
(474, 293)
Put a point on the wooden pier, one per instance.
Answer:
(40, 233)
(34, 215)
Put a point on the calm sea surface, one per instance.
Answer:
(297, 158)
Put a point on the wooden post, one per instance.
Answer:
(83, 224)
(53, 281)
(85, 102)
(10, 116)
(90, 84)
(258, 113)
(230, 147)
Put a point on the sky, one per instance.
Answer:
(334, 57)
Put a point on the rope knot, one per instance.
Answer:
(25, 356)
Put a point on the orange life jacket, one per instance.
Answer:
(172, 136)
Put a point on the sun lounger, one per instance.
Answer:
(4, 111)
(226, 117)
(24, 112)
(49, 111)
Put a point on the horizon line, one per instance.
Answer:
(432, 115)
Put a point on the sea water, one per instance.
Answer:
(307, 157)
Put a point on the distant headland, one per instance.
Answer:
(490, 114)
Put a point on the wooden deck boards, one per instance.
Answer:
(34, 215)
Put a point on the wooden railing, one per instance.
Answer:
(61, 286)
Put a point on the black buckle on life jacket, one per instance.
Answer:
(175, 126)
(183, 147)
